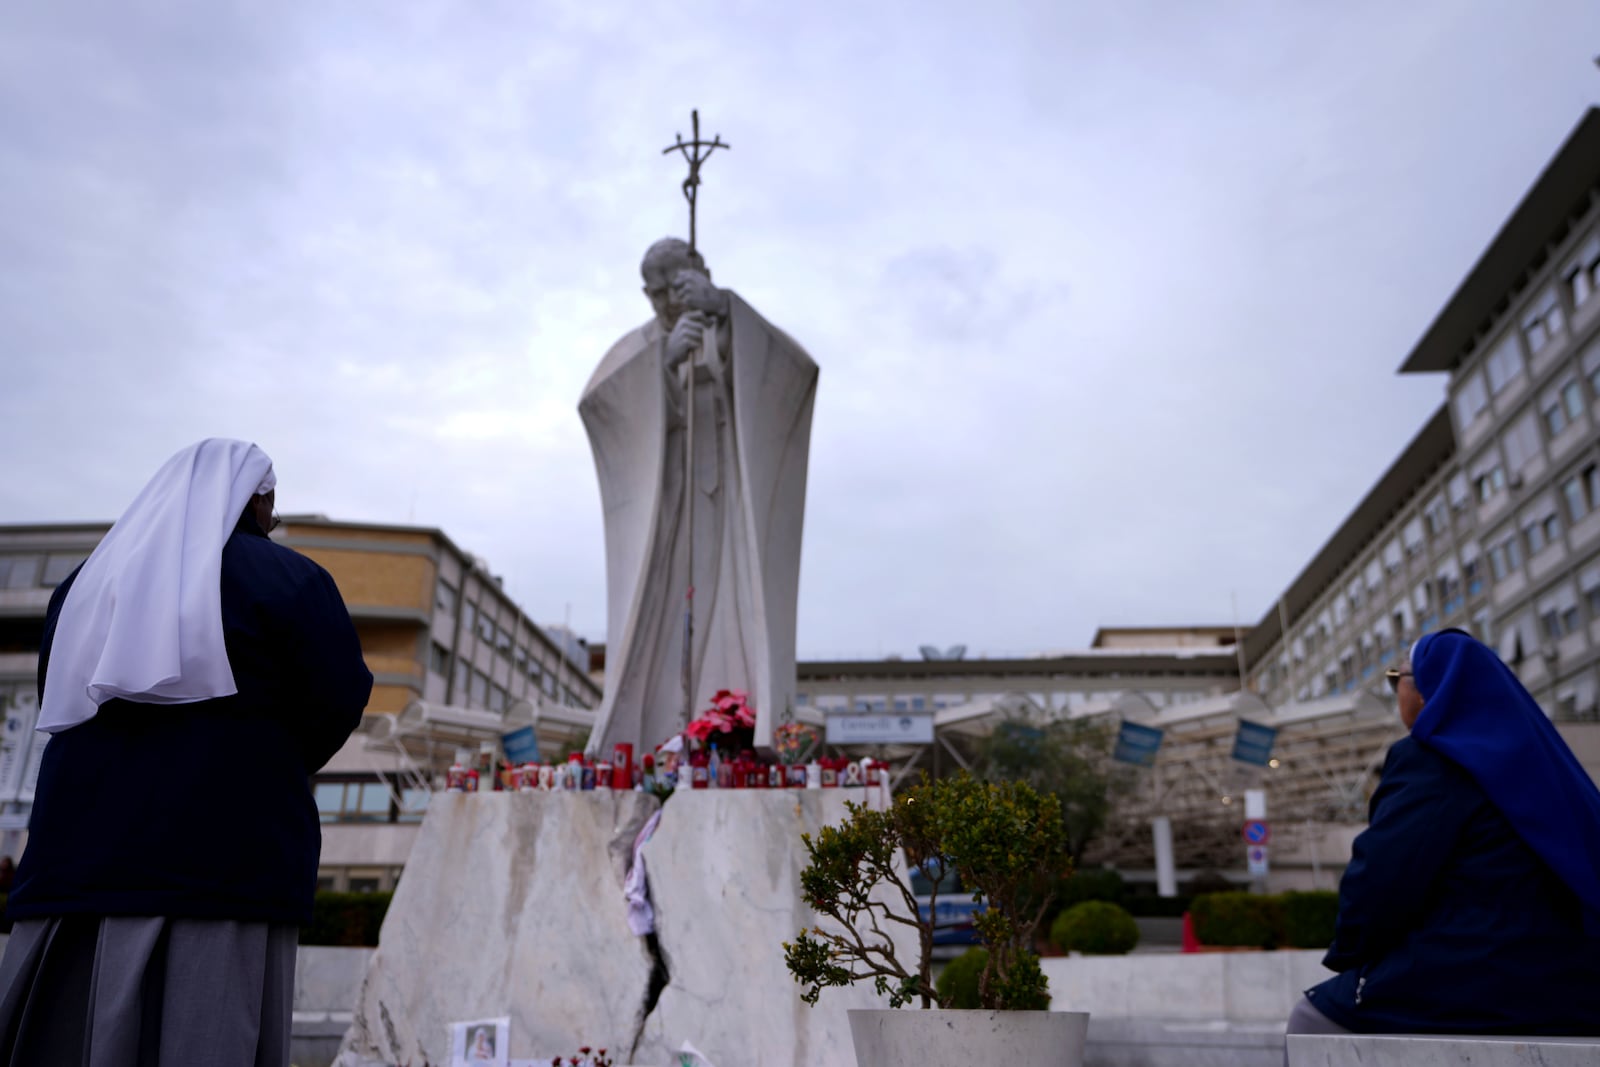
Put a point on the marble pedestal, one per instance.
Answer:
(512, 904)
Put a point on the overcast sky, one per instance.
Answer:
(1108, 298)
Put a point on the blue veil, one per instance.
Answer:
(1478, 715)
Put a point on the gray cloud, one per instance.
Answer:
(1107, 299)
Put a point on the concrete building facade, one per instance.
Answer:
(1490, 519)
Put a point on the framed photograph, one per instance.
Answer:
(480, 1043)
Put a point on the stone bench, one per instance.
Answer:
(1370, 1050)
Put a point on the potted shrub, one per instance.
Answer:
(1006, 844)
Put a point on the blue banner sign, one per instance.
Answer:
(522, 746)
(1137, 744)
(1253, 743)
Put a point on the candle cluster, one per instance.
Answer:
(661, 772)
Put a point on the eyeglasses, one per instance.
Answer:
(1393, 676)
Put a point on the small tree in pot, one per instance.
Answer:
(1004, 841)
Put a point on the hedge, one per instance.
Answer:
(347, 919)
(1245, 920)
(958, 982)
(1095, 928)
(1251, 920)
(1308, 918)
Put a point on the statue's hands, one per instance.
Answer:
(686, 337)
(693, 290)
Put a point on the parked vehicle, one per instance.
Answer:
(952, 914)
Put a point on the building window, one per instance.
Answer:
(1579, 491)
(57, 567)
(1590, 581)
(1411, 536)
(1505, 558)
(469, 617)
(486, 629)
(413, 805)
(352, 801)
(1471, 400)
(1572, 398)
(1503, 364)
(1555, 419)
(1582, 275)
(480, 689)
(1489, 482)
(446, 598)
(1437, 516)
(1542, 532)
(1543, 321)
(461, 683)
(1458, 491)
(19, 572)
(1472, 572)
(1450, 593)
(439, 660)
(1522, 442)
(1559, 616)
(1561, 407)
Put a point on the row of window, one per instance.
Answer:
(1579, 490)
(1070, 700)
(1542, 323)
(1579, 495)
(36, 570)
(367, 802)
(447, 600)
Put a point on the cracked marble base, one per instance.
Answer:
(725, 877)
(511, 904)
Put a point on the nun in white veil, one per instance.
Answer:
(193, 675)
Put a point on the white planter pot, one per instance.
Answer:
(907, 1037)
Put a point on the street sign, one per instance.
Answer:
(1137, 744)
(1253, 743)
(521, 746)
(1256, 832)
(880, 728)
(1256, 856)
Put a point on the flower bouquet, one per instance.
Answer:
(795, 742)
(729, 723)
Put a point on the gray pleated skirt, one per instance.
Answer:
(86, 991)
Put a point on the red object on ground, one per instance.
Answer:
(1191, 943)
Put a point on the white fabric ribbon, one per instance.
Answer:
(143, 619)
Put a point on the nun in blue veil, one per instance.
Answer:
(1471, 904)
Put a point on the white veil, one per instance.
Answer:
(143, 619)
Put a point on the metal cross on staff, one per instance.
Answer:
(696, 152)
(692, 152)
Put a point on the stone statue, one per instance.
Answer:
(750, 426)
